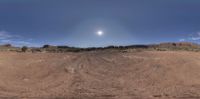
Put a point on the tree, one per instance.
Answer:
(24, 48)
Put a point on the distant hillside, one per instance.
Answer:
(187, 46)
(180, 44)
(8, 47)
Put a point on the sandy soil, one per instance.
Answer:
(100, 75)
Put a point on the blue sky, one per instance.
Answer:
(75, 22)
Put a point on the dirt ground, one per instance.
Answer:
(100, 75)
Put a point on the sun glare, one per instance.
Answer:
(100, 33)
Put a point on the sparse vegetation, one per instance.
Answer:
(62, 49)
(7, 45)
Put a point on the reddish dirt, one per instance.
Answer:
(100, 75)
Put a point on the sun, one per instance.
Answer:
(100, 33)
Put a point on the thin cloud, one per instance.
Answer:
(16, 40)
(5, 35)
(181, 40)
(196, 37)
(192, 37)
(198, 33)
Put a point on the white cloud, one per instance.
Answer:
(195, 38)
(191, 37)
(181, 40)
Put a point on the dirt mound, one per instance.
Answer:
(100, 75)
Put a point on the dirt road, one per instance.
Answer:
(100, 75)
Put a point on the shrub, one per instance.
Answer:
(46, 46)
(24, 48)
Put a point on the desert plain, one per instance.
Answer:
(100, 75)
